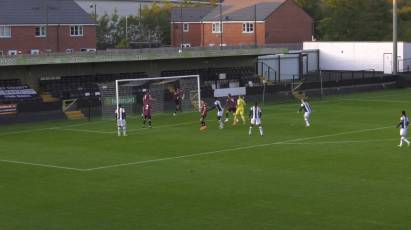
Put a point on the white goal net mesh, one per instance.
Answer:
(131, 91)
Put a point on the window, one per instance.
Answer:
(248, 27)
(76, 31)
(34, 52)
(185, 45)
(1, 52)
(217, 28)
(5, 31)
(12, 52)
(87, 50)
(41, 31)
(186, 27)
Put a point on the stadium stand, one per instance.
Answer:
(14, 91)
(68, 87)
(237, 73)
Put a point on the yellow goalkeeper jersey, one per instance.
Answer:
(240, 103)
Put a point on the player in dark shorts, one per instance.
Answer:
(231, 105)
(203, 112)
(178, 98)
(147, 115)
(147, 109)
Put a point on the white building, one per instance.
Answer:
(358, 56)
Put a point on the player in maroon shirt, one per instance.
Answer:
(203, 112)
(147, 98)
(147, 108)
(178, 98)
(231, 105)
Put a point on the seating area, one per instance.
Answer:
(15, 91)
(70, 87)
(238, 73)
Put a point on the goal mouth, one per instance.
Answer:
(165, 93)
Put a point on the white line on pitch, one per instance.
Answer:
(49, 128)
(340, 142)
(128, 131)
(142, 129)
(376, 100)
(235, 149)
(41, 165)
(290, 141)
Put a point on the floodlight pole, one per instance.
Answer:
(395, 38)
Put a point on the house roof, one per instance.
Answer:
(258, 11)
(232, 10)
(14, 12)
(189, 14)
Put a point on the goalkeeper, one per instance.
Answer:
(240, 110)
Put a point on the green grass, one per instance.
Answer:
(345, 172)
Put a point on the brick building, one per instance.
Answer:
(37, 26)
(244, 22)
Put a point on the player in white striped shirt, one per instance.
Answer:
(121, 121)
(220, 111)
(307, 112)
(403, 125)
(255, 116)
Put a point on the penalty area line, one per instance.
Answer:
(290, 141)
(41, 165)
(287, 142)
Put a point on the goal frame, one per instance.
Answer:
(158, 78)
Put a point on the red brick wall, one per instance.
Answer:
(288, 24)
(193, 36)
(58, 39)
(233, 35)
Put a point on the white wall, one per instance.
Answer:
(356, 55)
(405, 65)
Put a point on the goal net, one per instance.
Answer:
(129, 93)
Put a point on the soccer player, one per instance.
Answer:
(255, 116)
(230, 105)
(240, 110)
(147, 97)
(203, 112)
(220, 112)
(307, 112)
(121, 121)
(403, 125)
(178, 97)
(147, 109)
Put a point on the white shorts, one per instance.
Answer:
(121, 123)
(220, 113)
(256, 121)
(404, 132)
(307, 115)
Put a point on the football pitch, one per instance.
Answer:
(344, 172)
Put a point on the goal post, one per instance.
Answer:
(129, 93)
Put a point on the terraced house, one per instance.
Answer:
(241, 22)
(38, 26)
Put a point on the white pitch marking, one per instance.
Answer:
(340, 142)
(141, 129)
(42, 165)
(235, 149)
(49, 128)
(376, 100)
(290, 141)
(128, 131)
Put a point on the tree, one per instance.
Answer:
(314, 9)
(363, 20)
